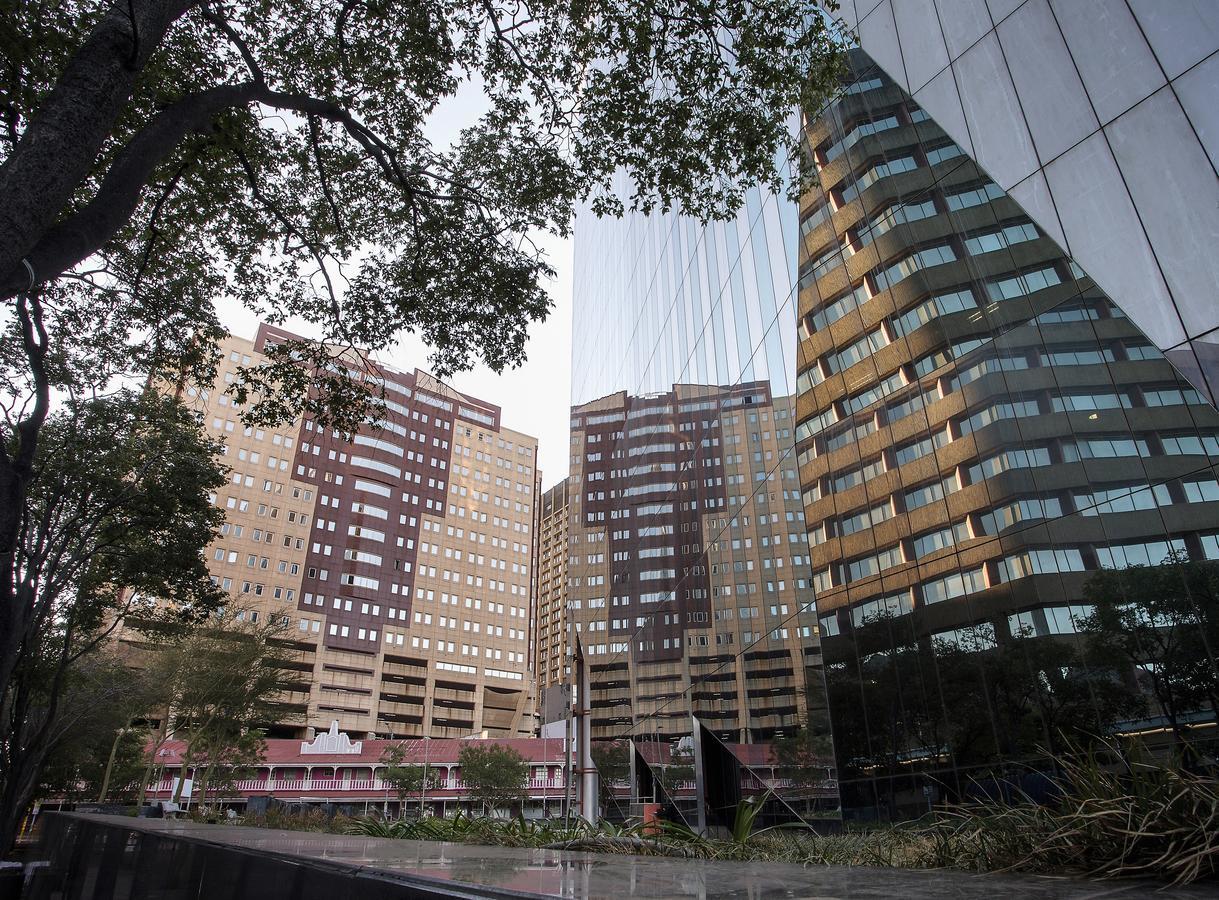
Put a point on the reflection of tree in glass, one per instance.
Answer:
(1158, 627)
(612, 759)
(678, 770)
(969, 699)
(805, 757)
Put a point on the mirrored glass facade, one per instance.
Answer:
(892, 456)
(1011, 500)
(688, 569)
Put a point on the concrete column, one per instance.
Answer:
(585, 767)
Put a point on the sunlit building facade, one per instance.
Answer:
(400, 560)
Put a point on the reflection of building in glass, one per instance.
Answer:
(1097, 117)
(1007, 495)
(688, 585)
(550, 623)
(981, 431)
(687, 570)
(400, 558)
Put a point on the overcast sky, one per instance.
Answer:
(536, 397)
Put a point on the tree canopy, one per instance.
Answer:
(117, 520)
(157, 155)
(494, 775)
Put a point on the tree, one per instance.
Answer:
(804, 756)
(494, 776)
(403, 778)
(99, 749)
(116, 524)
(225, 676)
(613, 762)
(678, 771)
(1158, 626)
(156, 155)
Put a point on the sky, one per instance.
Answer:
(536, 397)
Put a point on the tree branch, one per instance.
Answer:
(73, 240)
(60, 145)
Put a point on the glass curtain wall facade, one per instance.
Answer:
(1011, 502)
(688, 571)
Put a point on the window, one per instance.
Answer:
(955, 585)
(941, 153)
(988, 242)
(1040, 562)
(860, 350)
(1023, 284)
(918, 449)
(868, 518)
(881, 608)
(828, 259)
(856, 134)
(904, 268)
(1007, 460)
(1152, 553)
(1019, 511)
(929, 493)
(875, 173)
(971, 639)
(974, 196)
(892, 217)
(933, 307)
(934, 541)
(837, 307)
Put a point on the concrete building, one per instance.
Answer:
(550, 628)
(403, 558)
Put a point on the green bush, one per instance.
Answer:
(1142, 820)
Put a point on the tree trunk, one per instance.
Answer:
(20, 786)
(114, 749)
(186, 761)
(152, 760)
(62, 141)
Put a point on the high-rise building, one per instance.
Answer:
(550, 622)
(403, 557)
(1008, 508)
(688, 571)
(986, 440)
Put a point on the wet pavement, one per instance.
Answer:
(506, 871)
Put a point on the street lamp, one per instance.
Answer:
(427, 743)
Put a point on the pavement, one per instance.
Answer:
(517, 872)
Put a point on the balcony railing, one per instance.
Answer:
(318, 785)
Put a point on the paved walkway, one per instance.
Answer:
(550, 873)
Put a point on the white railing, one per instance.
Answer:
(317, 785)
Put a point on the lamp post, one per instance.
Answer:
(427, 743)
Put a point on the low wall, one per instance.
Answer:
(112, 858)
